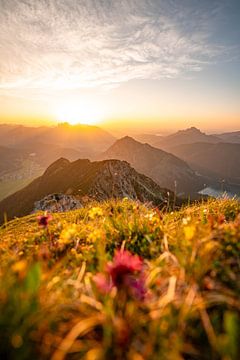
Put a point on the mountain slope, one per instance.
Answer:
(10, 160)
(230, 137)
(187, 136)
(162, 167)
(219, 160)
(19, 166)
(150, 139)
(98, 180)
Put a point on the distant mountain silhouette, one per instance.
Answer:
(188, 136)
(230, 137)
(97, 180)
(221, 160)
(164, 168)
(150, 139)
(84, 138)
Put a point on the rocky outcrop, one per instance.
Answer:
(57, 203)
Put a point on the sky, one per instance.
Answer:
(139, 65)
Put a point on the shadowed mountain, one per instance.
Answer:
(221, 160)
(188, 136)
(150, 139)
(98, 180)
(230, 137)
(164, 168)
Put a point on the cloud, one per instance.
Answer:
(74, 44)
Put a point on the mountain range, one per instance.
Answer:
(216, 160)
(187, 136)
(230, 137)
(98, 180)
(184, 162)
(164, 168)
(87, 139)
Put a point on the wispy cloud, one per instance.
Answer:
(67, 44)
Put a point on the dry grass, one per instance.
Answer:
(51, 308)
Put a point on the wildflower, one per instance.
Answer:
(124, 272)
(189, 232)
(150, 216)
(19, 266)
(102, 283)
(95, 212)
(137, 286)
(43, 220)
(124, 263)
(20, 269)
(68, 235)
(95, 235)
(186, 220)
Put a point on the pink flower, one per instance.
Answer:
(102, 283)
(43, 220)
(124, 264)
(137, 287)
(125, 271)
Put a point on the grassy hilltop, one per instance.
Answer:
(120, 280)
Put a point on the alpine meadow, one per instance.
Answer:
(119, 180)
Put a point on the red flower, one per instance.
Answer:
(43, 220)
(125, 271)
(124, 264)
(103, 284)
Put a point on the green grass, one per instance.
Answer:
(52, 308)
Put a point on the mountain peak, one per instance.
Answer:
(192, 130)
(161, 166)
(127, 139)
(57, 165)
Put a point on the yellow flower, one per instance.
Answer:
(152, 217)
(95, 235)
(68, 235)
(208, 247)
(19, 266)
(189, 232)
(95, 212)
(186, 220)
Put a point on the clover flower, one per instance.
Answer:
(124, 272)
(123, 264)
(43, 220)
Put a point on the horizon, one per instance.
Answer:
(124, 132)
(132, 66)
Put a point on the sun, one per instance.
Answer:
(78, 113)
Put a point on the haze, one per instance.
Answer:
(145, 65)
